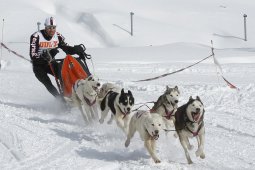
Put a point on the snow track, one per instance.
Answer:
(35, 134)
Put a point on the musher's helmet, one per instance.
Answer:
(50, 21)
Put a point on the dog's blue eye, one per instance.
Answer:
(159, 124)
(152, 124)
(171, 95)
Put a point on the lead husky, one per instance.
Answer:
(84, 93)
(120, 105)
(190, 123)
(148, 125)
(166, 106)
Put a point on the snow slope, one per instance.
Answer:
(168, 35)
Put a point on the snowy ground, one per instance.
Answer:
(35, 134)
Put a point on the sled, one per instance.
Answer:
(72, 70)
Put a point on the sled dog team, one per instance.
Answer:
(187, 119)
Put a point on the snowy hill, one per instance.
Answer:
(168, 35)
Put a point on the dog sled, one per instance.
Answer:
(70, 69)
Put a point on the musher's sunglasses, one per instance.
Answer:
(51, 27)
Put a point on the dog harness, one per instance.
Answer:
(169, 114)
(200, 123)
(140, 113)
(75, 86)
(125, 114)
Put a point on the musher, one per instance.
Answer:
(43, 48)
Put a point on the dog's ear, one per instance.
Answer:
(198, 98)
(176, 87)
(122, 91)
(129, 92)
(190, 98)
(167, 88)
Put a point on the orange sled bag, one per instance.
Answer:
(71, 71)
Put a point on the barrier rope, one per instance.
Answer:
(15, 53)
(157, 77)
(167, 74)
(217, 64)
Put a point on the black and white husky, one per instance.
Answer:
(120, 105)
(166, 105)
(189, 122)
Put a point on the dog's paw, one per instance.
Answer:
(202, 156)
(156, 160)
(101, 121)
(127, 143)
(190, 162)
(109, 122)
(199, 152)
(190, 147)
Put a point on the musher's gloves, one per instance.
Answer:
(54, 52)
(49, 54)
(78, 49)
(46, 56)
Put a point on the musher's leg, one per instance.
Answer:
(41, 74)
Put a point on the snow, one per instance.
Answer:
(168, 35)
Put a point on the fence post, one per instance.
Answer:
(131, 16)
(245, 32)
(38, 26)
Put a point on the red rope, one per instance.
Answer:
(167, 74)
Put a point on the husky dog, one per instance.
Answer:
(148, 125)
(190, 123)
(166, 105)
(84, 92)
(120, 105)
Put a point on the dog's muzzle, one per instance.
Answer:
(155, 135)
(96, 87)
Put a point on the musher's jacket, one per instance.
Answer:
(39, 41)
